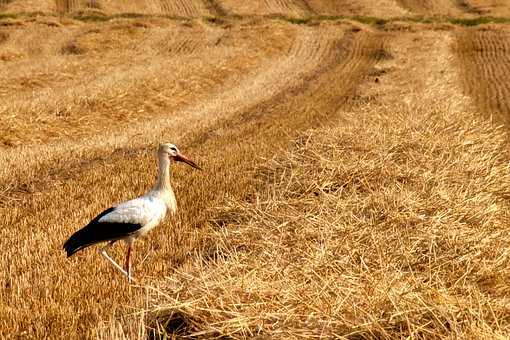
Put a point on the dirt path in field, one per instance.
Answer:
(266, 107)
(483, 56)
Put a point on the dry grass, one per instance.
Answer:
(391, 224)
(268, 105)
(381, 216)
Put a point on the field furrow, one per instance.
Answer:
(256, 83)
(483, 55)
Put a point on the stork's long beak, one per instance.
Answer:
(182, 158)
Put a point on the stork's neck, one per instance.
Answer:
(162, 188)
(163, 180)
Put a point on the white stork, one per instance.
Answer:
(133, 218)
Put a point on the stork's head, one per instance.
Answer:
(172, 152)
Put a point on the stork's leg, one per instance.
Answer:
(106, 256)
(128, 264)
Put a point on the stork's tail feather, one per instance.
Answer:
(84, 237)
(97, 232)
(78, 241)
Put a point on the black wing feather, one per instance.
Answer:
(96, 232)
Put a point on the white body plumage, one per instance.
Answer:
(147, 211)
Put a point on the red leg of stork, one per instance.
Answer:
(129, 262)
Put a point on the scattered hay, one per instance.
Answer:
(388, 225)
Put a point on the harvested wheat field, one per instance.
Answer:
(356, 165)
